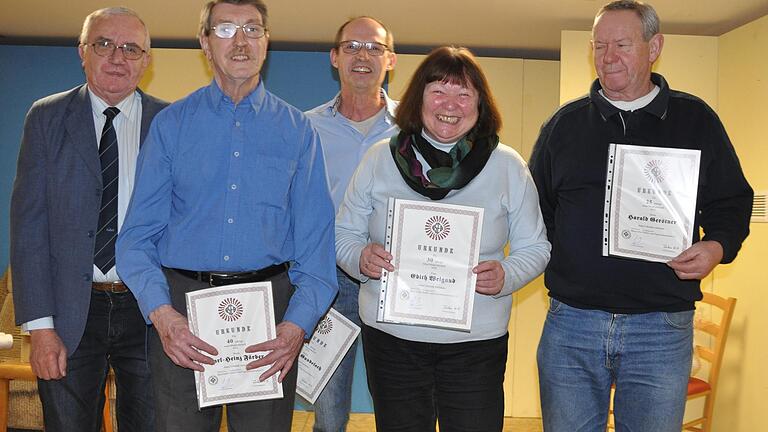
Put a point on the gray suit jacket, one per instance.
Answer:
(55, 210)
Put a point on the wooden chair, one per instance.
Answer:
(14, 368)
(10, 371)
(712, 354)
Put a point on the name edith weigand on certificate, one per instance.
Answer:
(650, 201)
(434, 248)
(231, 318)
(320, 358)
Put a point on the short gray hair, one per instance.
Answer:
(644, 11)
(108, 12)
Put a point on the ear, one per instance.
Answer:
(392, 60)
(655, 45)
(146, 60)
(204, 45)
(334, 58)
(81, 53)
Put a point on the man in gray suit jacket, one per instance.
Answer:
(73, 183)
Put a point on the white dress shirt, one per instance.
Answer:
(128, 129)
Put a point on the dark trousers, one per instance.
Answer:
(115, 335)
(414, 384)
(175, 386)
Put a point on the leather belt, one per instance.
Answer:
(110, 287)
(229, 278)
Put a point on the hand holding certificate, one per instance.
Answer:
(232, 318)
(434, 246)
(650, 201)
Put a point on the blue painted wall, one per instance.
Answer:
(304, 79)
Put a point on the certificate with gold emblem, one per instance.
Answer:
(231, 318)
(434, 248)
(323, 353)
(650, 201)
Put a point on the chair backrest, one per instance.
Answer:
(718, 330)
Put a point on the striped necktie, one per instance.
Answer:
(104, 257)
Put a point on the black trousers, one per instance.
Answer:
(175, 386)
(414, 384)
(115, 335)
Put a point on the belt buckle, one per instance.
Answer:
(111, 288)
(212, 276)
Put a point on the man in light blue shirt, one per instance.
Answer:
(349, 124)
(232, 188)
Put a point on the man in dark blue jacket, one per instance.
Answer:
(73, 183)
(615, 320)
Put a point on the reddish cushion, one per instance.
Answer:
(696, 385)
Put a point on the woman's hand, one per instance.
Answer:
(373, 259)
(490, 277)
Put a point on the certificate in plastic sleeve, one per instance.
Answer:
(434, 248)
(650, 201)
(319, 358)
(231, 318)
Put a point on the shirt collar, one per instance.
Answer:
(331, 107)
(657, 107)
(98, 105)
(255, 98)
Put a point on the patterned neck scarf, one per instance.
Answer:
(452, 170)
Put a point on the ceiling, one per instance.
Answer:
(513, 28)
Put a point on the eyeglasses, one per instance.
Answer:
(106, 48)
(227, 30)
(373, 48)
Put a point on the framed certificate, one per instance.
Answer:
(434, 248)
(650, 201)
(319, 358)
(231, 318)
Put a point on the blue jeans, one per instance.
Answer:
(583, 352)
(115, 335)
(333, 404)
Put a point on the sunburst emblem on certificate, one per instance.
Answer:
(325, 326)
(654, 171)
(230, 309)
(437, 227)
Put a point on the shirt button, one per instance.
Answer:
(237, 123)
(90, 234)
(230, 220)
(237, 154)
(226, 257)
(233, 187)
(86, 277)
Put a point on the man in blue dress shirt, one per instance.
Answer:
(349, 124)
(231, 189)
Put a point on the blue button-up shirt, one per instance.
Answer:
(343, 145)
(225, 187)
